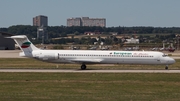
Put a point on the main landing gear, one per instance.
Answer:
(166, 67)
(83, 66)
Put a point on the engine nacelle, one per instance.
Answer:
(46, 56)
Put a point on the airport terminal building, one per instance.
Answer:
(6, 43)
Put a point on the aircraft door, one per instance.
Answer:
(57, 56)
(158, 59)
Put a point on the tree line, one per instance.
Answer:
(62, 31)
(57, 31)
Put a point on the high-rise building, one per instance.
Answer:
(74, 22)
(40, 20)
(86, 21)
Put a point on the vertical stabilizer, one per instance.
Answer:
(24, 44)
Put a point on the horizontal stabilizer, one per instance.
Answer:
(18, 37)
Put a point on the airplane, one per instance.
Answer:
(84, 57)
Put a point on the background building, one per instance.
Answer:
(74, 22)
(86, 21)
(6, 43)
(132, 40)
(42, 33)
(40, 21)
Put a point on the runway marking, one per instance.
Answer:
(87, 71)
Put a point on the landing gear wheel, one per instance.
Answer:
(83, 67)
(166, 67)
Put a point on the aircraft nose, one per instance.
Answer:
(171, 61)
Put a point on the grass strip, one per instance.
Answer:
(89, 87)
(36, 64)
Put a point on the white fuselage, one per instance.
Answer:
(101, 57)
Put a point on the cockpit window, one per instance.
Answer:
(164, 55)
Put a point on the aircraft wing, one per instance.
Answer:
(86, 60)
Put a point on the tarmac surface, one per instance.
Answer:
(10, 54)
(87, 71)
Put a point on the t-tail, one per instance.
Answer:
(25, 45)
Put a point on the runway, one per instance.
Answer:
(87, 71)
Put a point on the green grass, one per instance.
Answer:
(89, 87)
(32, 63)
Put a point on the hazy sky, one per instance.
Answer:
(156, 13)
